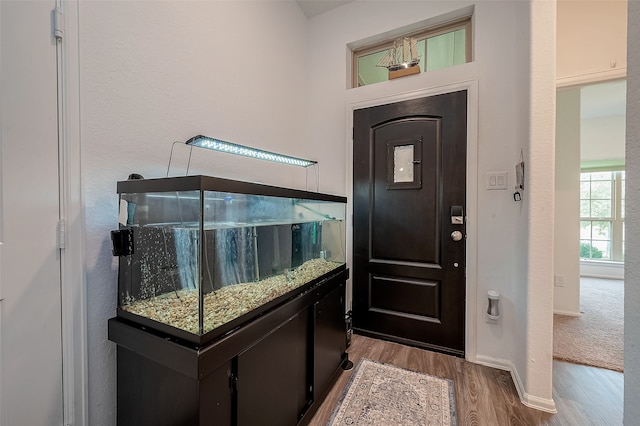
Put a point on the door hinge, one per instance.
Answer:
(61, 233)
(58, 23)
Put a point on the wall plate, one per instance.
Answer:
(497, 180)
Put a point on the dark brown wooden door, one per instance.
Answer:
(409, 175)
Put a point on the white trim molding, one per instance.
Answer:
(567, 313)
(602, 269)
(590, 78)
(542, 404)
(72, 251)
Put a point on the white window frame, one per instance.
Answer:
(616, 219)
(422, 34)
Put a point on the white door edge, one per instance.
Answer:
(72, 256)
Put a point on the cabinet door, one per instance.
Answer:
(330, 339)
(273, 380)
(151, 394)
(216, 404)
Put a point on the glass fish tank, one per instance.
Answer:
(200, 256)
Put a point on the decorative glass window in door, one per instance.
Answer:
(404, 167)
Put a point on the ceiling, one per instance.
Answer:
(312, 8)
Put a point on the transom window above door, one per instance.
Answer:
(440, 47)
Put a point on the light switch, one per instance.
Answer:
(496, 180)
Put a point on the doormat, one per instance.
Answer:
(381, 394)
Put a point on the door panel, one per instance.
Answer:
(402, 238)
(411, 297)
(409, 171)
(30, 320)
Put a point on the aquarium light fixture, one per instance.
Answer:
(245, 151)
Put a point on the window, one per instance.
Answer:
(404, 169)
(437, 48)
(602, 215)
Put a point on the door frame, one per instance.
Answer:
(70, 233)
(75, 376)
(471, 86)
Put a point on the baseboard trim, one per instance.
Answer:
(567, 313)
(542, 404)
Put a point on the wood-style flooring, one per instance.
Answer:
(487, 396)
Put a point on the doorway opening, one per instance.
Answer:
(590, 175)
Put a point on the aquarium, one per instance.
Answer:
(200, 256)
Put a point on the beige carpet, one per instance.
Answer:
(381, 394)
(596, 337)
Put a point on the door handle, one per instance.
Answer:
(456, 235)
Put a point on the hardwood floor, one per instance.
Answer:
(487, 396)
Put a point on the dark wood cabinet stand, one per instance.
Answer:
(274, 370)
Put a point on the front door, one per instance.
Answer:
(409, 176)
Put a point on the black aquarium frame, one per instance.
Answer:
(208, 183)
(203, 183)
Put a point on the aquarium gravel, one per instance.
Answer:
(180, 308)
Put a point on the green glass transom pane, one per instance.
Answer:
(445, 50)
(368, 70)
(437, 52)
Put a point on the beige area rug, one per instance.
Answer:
(595, 338)
(381, 394)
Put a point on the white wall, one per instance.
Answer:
(539, 306)
(589, 34)
(591, 40)
(602, 110)
(603, 138)
(632, 255)
(566, 298)
(156, 72)
(501, 69)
